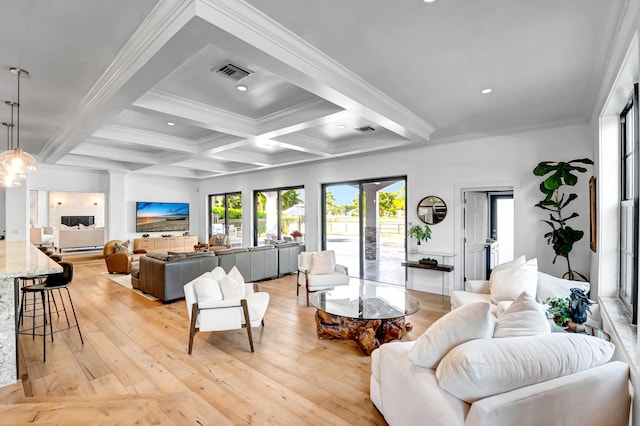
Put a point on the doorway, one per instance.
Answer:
(488, 231)
(364, 223)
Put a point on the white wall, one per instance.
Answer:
(160, 189)
(442, 170)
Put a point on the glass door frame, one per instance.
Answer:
(278, 191)
(360, 183)
(226, 209)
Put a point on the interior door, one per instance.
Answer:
(476, 230)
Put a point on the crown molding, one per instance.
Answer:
(205, 115)
(146, 138)
(164, 21)
(340, 86)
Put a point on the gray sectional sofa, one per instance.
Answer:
(164, 275)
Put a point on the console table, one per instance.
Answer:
(440, 267)
(180, 244)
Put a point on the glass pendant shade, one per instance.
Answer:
(18, 162)
(15, 164)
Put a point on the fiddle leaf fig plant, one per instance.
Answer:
(562, 237)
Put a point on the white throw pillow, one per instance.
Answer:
(207, 289)
(232, 289)
(524, 317)
(520, 260)
(550, 286)
(508, 284)
(322, 263)
(469, 321)
(484, 367)
(218, 274)
(234, 274)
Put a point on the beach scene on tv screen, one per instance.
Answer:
(157, 217)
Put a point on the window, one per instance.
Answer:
(628, 285)
(279, 214)
(226, 216)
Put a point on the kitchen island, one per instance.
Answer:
(17, 259)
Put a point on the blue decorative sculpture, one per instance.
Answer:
(579, 306)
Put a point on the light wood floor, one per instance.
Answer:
(134, 366)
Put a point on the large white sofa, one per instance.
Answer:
(407, 394)
(469, 368)
(494, 360)
(77, 238)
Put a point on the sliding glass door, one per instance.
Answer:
(279, 215)
(364, 223)
(225, 216)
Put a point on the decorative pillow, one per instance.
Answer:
(120, 248)
(484, 367)
(525, 317)
(63, 226)
(207, 289)
(469, 321)
(322, 263)
(232, 288)
(550, 286)
(508, 284)
(218, 240)
(218, 274)
(520, 260)
(234, 274)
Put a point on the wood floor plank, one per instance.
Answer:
(135, 350)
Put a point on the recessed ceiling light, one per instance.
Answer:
(170, 123)
(428, 1)
(486, 91)
(341, 126)
(242, 87)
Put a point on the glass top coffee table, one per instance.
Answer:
(368, 312)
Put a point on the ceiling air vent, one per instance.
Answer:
(233, 71)
(365, 129)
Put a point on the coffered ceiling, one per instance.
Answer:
(328, 78)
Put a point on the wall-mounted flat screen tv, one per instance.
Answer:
(160, 217)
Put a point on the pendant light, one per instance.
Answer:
(16, 162)
(8, 180)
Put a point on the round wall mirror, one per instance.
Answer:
(432, 210)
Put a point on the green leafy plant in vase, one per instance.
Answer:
(562, 236)
(560, 309)
(419, 232)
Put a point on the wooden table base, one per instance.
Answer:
(369, 334)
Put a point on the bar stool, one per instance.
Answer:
(52, 282)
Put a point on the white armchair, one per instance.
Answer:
(319, 271)
(226, 314)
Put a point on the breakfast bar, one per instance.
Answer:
(17, 259)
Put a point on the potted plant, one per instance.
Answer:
(562, 236)
(297, 235)
(559, 309)
(419, 232)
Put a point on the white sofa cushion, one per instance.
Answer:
(320, 282)
(508, 284)
(524, 317)
(550, 287)
(459, 298)
(484, 367)
(322, 263)
(470, 321)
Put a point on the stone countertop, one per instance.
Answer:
(17, 258)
